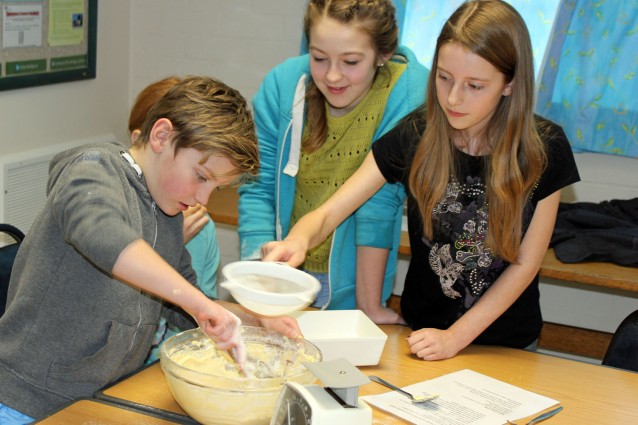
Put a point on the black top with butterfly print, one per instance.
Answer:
(449, 274)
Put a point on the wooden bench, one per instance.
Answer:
(222, 207)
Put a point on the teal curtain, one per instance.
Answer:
(589, 83)
(400, 11)
(585, 59)
(421, 22)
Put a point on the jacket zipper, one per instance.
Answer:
(154, 208)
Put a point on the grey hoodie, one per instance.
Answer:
(70, 328)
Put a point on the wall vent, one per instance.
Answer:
(23, 179)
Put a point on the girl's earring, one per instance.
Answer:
(381, 64)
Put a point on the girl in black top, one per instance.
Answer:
(484, 177)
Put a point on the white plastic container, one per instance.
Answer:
(343, 333)
(269, 288)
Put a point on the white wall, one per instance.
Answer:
(603, 177)
(236, 41)
(60, 113)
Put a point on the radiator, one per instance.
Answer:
(23, 180)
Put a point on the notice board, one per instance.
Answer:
(47, 42)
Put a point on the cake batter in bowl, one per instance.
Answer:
(208, 385)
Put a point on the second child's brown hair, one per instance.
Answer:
(146, 99)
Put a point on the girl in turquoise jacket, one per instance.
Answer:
(353, 66)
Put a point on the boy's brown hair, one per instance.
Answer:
(211, 117)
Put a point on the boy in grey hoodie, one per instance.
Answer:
(87, 286)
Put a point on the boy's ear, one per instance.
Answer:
(507, 90)
(160, 134)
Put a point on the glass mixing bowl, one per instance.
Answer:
(207, 384)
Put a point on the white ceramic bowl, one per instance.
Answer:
(205, 383)
(269, 288)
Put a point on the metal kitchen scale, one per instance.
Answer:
(337, 403)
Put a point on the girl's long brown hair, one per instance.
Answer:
(372, 17)
(493, 30)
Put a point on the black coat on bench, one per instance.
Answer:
(605, 231)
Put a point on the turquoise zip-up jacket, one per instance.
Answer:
(265, 205)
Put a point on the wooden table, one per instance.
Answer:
(146, 391)
(590, 394)
(87, 411)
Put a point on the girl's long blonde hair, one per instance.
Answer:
(493, 30)
(372, 17)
